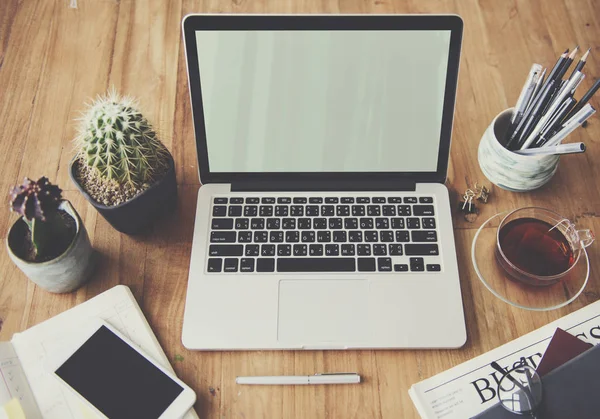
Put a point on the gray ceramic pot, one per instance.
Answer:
(68, 271)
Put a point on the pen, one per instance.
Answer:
(554, 121)
(335, 378)
(557, 149)
(585, 98)
(533, 117)
(572, 124)
(536, 89)
(524, 97)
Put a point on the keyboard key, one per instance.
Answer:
(315, 250)
(235, 201)
(220, 200)
(366, 264)
(273, 223)
(247, 265)
(410, 200)
(267, 250)
(380, 249)
(332, 250)
(421, 249)
(424, 236)
(395, 249)
(300, 250)
(401, 267)
(284, 250)
(219, 211)
(363, 250)
(266, 211)
(388, 210)
(261, 237)
(300, 200)
(423, 210)
(428, 222)
(316, 265)
(335, 223)
(397, 223)
(244, 237)
(413, 223)
(241, 223)
(331, 200)
(351, 223)
(363, 200)
(222, 224)
(386, 236)
(434, 268)
(308, 236)
(252, 250)
(297, 211)
(327, 211)
(231, 264)
(268, 200)
(347, 200)
(417, 265)
(366, 223)
(312, 210)
(355, 236)
(320, 223)
(316, 200)
(323, 236)
(378, 200)
(265, 265)
(257, 223)
(382, 223)
(339, 236)
(288, 223)
(225, 250)
(348, 250)
(342, 210)
(235, 210)
(371, 236)
(222, 236)
(404, 210)
(276, 237)
(304, 224)
(252, 201)
(358, 210)
(384, 264)
(395, 200)
(250, 211)
(281, 211)
(215, 264)
(292, 236)
(284, 200)
(373, 210)
(402, 236)
(426, 200)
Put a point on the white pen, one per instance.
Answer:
(557, 149)
(526, 93)
(336, 378)
(571, 125)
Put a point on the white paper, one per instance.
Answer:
(470, 388)
(13, 384)
(34, 346)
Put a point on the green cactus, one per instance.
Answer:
(118, 143)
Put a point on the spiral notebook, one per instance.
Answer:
(23, 371)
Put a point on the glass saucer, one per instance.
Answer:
(515, 293)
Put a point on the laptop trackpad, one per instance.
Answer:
(313, 311)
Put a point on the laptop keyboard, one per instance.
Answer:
(323, 234)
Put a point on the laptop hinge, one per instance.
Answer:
(315, 186)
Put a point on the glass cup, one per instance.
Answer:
(538, 247)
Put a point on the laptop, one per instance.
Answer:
(323, 221)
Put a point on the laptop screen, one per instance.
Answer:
(323, 101)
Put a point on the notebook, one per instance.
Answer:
(23, 371)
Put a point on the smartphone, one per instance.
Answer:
(117, 379)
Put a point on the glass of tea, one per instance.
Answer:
(538, 247)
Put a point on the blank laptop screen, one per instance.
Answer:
(323, 101)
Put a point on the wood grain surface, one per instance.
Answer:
(53, 58)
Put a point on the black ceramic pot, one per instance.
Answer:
(135, 215)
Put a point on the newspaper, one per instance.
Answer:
(470, 388)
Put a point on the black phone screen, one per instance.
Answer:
(117, 380)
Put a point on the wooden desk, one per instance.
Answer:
(53, 58)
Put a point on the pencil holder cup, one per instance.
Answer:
(509, 170)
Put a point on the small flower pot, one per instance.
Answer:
(137, 214)
(64, 273)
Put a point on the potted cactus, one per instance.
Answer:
(49, 243)
(121, 166)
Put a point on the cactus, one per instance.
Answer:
(118, 143)
(37, 203)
